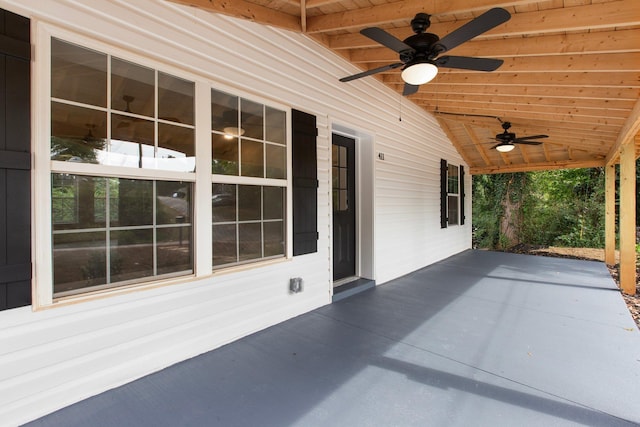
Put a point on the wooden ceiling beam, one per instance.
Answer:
(577, 80)
(594, 93)
(525, 115)
(603, 63)
(402, 11)
(604, 42)
(477, 144)
(567, 101)
(455, 143)
(609, 15)
(629, 130)
(535, 125)
(247, 10)
(561, 164)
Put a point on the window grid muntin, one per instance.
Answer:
(237, 222)
(108, 229)
(110, 111)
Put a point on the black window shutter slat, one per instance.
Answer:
(461, 185)
(15, 149)
(443, 193)
(304, 167)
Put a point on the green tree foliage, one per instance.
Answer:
(559, 207)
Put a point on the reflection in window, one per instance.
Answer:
(248, 223)
(249, 139)
(148, 234)
(140, 135)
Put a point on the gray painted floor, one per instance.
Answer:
(479, 339)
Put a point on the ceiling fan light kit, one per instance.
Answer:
(419, 54)
(506, 139)
(418, 73)
(505, 148)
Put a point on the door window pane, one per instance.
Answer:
(78, 74)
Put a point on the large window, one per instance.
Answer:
(122, 179)
(249, 167)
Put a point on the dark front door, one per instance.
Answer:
(344, 207)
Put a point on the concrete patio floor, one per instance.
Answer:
(479, 339)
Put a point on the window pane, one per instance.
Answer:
(452, 210)
(225, 155)
(274, 202)
(224, 112)
(77, 134)
(174, 249)
(276, 161)
(252, 159)
(252, 119)
(224, 244)
(134, 200)
(132, 88)
(176, 148)
(175, 99)
(223, 202)
(249, 241)
(132, 142)
(77, 201)
(452, 181)
(273, 238)
(276, 126)
(131, 254)
(249, 203)
(334, 155)
(78, 74)
(173, 202)
(79, 261)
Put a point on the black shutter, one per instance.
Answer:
(304, 166)
(15, 162)
(443, 193)
(461, 186)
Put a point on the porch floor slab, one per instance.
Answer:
(478, 339)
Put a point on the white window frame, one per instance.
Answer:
(43, 166)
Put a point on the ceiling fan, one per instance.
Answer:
(506, 139)
(419, 53)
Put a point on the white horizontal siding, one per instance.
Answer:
(51, 358)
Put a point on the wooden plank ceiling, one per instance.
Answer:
(571, 70)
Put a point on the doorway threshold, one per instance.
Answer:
(347, 288)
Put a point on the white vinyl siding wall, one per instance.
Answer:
(53, 357)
